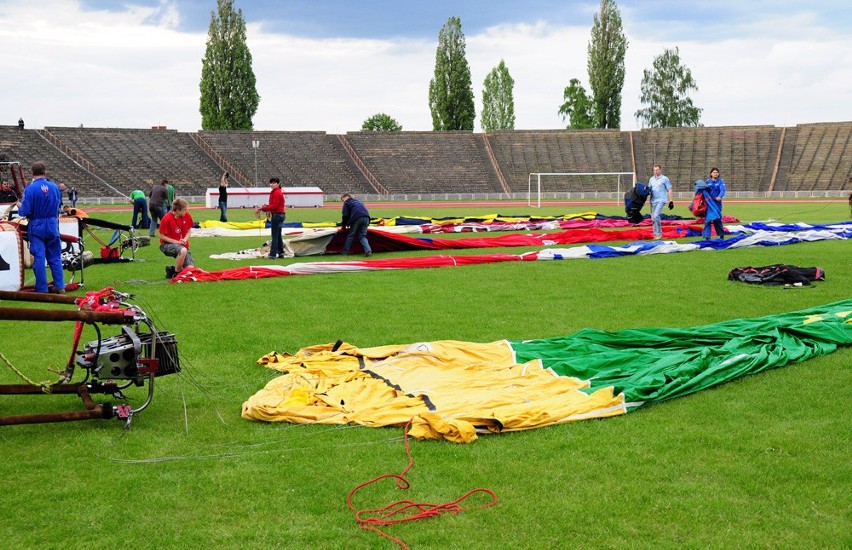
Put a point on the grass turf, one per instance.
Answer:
(762, 461)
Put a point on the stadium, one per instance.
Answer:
(105, 164)
(755, 461)
(512, 356)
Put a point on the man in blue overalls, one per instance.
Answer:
(40, 206)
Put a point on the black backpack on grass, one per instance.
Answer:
(777, 274)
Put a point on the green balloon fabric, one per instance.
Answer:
(655, 364)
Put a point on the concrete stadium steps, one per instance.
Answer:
(744, 154)
(299, 159)
(109, 162)
(138, 158)
(427, 162)
(27, 147)
(522, 152)
(821, 157)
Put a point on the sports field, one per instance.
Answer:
(759, 462)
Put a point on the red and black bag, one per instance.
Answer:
(698, 206)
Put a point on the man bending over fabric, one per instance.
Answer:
(40, 206)
(356, 218)
(175, 228)
(140, 218)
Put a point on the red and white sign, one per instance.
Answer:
(294, 197)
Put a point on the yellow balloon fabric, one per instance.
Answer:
(451, 389)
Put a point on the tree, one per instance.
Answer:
(665, 91)
(577, 107)
(498, 102)
(380, 122)
(607, 49)
(451, 91)
(229, 97)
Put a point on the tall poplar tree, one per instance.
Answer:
(607, 49)
(451, 91)
(577, 107)
(498, 102)
(665, 92)
(229, 97)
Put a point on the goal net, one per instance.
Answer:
(581, 183)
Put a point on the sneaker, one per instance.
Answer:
(368, 253)
(170, 272)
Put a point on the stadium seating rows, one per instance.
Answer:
(110, 162)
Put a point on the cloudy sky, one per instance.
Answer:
(330, 64)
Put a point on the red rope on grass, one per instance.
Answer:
(403, 511)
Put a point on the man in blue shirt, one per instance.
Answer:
(356, 219)
(661, 193)
(40, 206)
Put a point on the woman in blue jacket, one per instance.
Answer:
(713, 196)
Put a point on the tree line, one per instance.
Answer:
(229, 98)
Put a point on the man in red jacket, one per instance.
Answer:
(275, 208)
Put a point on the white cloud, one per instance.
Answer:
(134, 69)
(334, 85)
(780, 71)
(100, 69)
(541, 59)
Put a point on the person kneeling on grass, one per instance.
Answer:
(175, 228)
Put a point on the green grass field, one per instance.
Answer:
(759, 462)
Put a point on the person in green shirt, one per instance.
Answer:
(140, 205)
(170, 189)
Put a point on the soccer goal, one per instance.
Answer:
(582, 182)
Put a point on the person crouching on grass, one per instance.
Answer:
(175, 228)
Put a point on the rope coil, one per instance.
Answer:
(403, 511)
